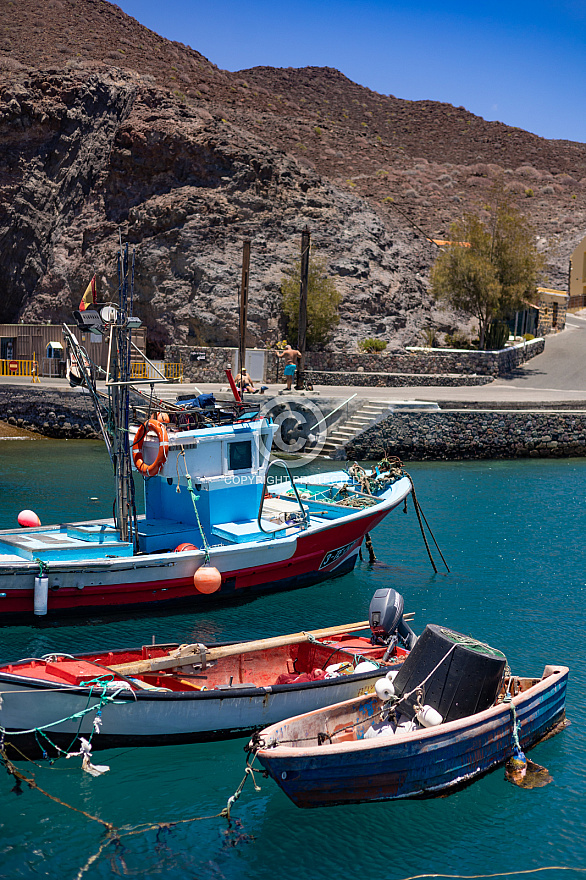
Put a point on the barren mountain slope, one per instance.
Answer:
(116, 131)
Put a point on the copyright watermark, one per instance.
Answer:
(301, 429)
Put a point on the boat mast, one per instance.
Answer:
(125, 510)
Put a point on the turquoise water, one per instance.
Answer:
(512, 533)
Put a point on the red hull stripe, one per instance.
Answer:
(308, 559)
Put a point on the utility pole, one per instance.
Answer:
(302, 332)
(243, 310)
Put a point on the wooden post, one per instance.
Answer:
(243, 310)
(302, 332)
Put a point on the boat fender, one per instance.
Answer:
(28, 519)
(392, 674)
(207, 579)
(160, 430)
(163, 417)
(41, 595)
(365, 666)
(337, 669)
(428, 716)
(384, 689)
(186, 546)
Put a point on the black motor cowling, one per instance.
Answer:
(385, 617)
(467, 678)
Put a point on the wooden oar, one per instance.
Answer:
(188, 654)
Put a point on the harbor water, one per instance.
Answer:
(512, 533)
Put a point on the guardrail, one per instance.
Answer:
(13, 367)
(577, 302)
(142, 370)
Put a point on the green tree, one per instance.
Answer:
(492, 269)
(323, 300)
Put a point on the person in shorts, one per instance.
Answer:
(290, 356)
(245, 383)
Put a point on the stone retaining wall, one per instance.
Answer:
(427, 361)
(473, 435)
(208, 364)
(392, 380)
(204, 364)
(445, 435)
(64, 414)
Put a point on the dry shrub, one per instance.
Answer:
(528, 171)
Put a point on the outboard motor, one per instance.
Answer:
(385, 617)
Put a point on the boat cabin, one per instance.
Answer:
(226, 465)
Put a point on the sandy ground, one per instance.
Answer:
(8, 432)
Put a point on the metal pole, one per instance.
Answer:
(243, 310)
(302, 332)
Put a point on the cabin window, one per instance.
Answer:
(240, 455)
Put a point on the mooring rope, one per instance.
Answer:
(114, 834)
(194, 499)
(498, 874)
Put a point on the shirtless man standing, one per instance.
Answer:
(291, 355)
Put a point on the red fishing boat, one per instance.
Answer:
(161, 694)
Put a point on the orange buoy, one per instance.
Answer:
(163, 417)
(207, 579)
(28, 519)
(181, 547)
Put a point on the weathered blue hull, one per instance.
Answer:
(423, 763)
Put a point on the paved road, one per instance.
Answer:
(562, 366)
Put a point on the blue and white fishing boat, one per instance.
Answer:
(215, 527)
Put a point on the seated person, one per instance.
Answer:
(245, 383)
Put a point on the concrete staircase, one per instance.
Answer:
(368, 414)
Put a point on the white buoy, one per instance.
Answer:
(41, 595)
(384, 689)
(365, 666)
(428, 717)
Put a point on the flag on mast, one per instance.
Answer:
(89, 298)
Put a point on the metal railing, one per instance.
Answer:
(13, 367)
(142, 370)
(577, 302)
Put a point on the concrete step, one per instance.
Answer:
(366, 415)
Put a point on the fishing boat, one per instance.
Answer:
(217, 526)
(452, 713)
(161, 694)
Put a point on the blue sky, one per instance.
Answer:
(518, 62)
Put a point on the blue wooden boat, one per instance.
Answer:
(362, 750)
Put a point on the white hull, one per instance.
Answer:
(156, 718)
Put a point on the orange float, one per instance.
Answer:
(163, 417)
(28, 519)
(140, 464)
(207, 579)
(181, 547)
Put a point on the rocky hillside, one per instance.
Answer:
(117, 132)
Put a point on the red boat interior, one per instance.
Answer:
(287, 664)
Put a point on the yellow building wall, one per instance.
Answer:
(578, 271)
